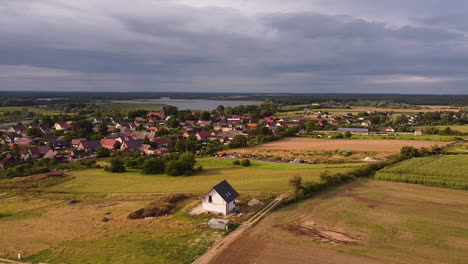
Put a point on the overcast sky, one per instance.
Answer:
(316, 46)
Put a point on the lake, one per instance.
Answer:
(192, 104)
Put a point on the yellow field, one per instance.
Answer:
(365, 145)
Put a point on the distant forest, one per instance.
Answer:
(12, 98)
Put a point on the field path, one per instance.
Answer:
(223, 244)
(7, 261)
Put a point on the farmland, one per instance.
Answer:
(441, 171)
(362, 222)
(460, 128)
(358, 109)
(367, 145)
(38, 220)
(260, 177)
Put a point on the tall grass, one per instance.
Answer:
(438, 171)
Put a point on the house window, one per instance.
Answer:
(210, 199)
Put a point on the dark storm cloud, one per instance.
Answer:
(313, 46)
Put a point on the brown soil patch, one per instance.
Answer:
(321, 234)
(361, 145)
(370, 203)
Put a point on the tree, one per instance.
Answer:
(408, 152)
(103, 129)
(171, 110)
(116, 165)
(347, 134)
(173, 122)
(238, 141)
(188, 160)
(205, 116)
(103, 152)
(137, 113)
(220, 109)
(183, 164)
(174, 168)
(47, 121)
(34, 132)
(311, 126)
(296, 183)
(82, 128)
(153, 166)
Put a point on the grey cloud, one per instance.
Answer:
(173, 46)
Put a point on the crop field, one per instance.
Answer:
(39, 220)
(408, 137)
(362, 222)
(460, 128)
(364, 145)
(441, 171)
(358, 109)
(118, 106)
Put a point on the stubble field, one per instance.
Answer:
(359, 145)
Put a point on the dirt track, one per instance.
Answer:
(252, 248)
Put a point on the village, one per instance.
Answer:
(158, 133)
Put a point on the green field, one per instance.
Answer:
(462, 129)
(441, 171)
(118, 106)
(260, 177)
(37, 219)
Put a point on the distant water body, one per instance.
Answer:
(195, 104)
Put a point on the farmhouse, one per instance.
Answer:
(220, 199)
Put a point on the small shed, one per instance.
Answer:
(219, 223)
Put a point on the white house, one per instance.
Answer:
(220, 199)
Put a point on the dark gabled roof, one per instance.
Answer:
(135, 143)
(92, 144)
(226, 191)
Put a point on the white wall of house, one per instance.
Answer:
(58, 127)
(217, 204)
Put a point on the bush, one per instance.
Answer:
(245, 162)
(180, 164)
(236, 162)
(174, 168)
(153, 166)
(103, 152)
(408, 152)
(136, 162)
(116, 165)
(89, 163)
(296, 183)
(162, 206)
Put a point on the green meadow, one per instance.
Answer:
(260, 177)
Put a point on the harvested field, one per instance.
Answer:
(364, 145)
(362, 222)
